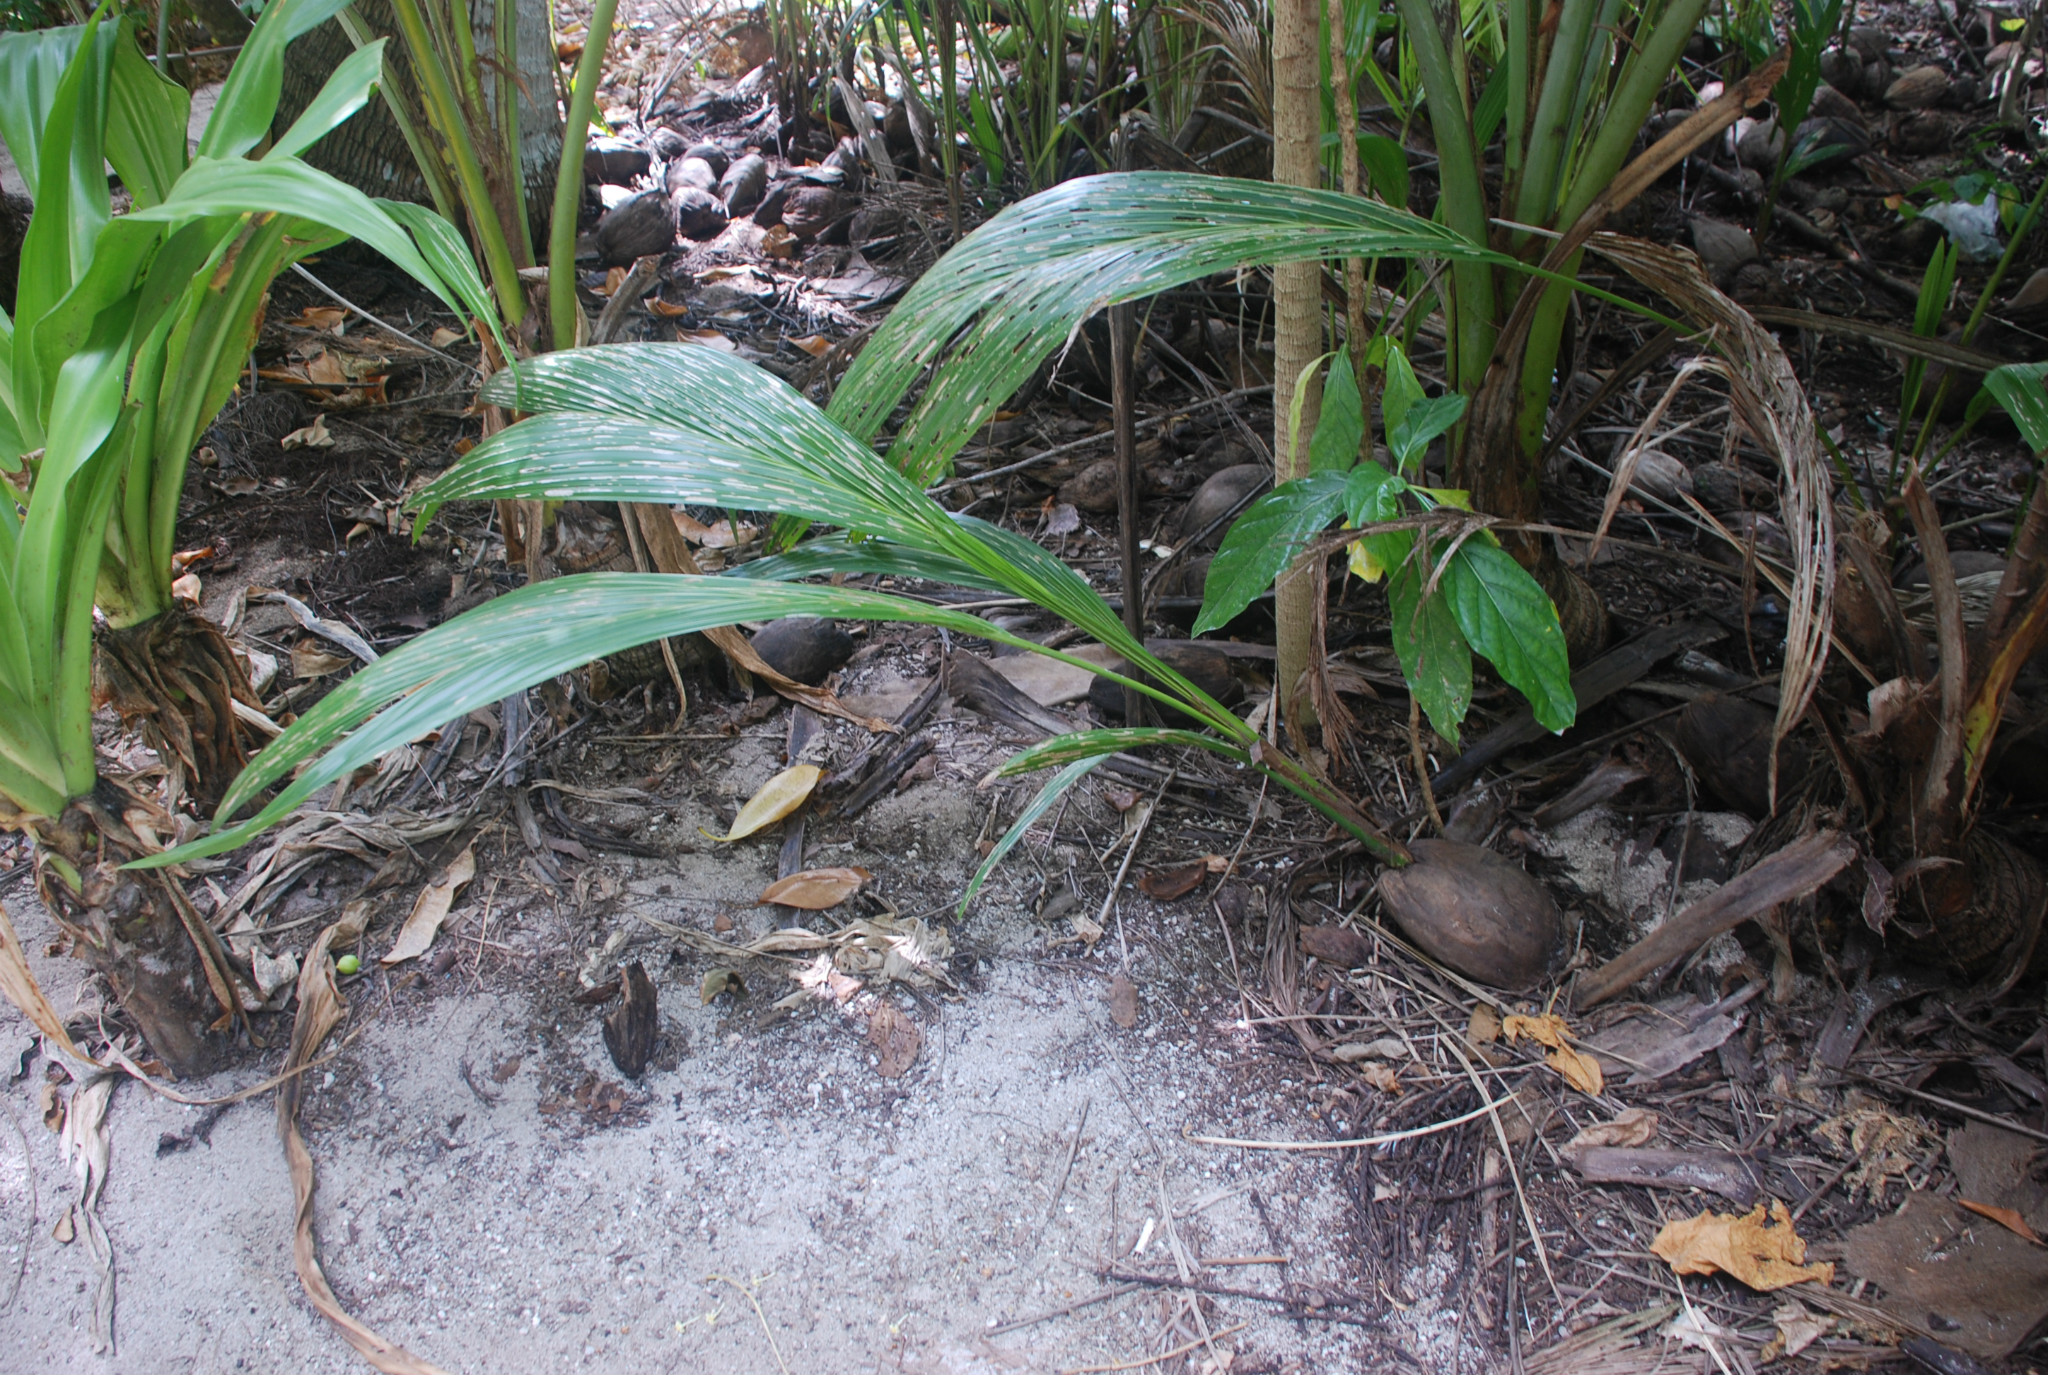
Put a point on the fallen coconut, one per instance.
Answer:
(699, 215)
(806, 648)
(640, 226)
(1216, 498)
(1477, 913)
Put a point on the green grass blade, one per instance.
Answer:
(1093, 744)
(248, 98)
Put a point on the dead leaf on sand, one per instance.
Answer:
(1381, 1077)
(1168, 884)
(2008, 1218)
(1763, 1252)
(1123, 1002)
(1797, 1330)
(1633, 1127)
(430, 909)
(717, 981)
(1581, 1071)
(895, 1038)
(815, 889)
(1484, 1026)
(778, 797)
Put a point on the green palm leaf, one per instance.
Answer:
(508, 645)
(1014, 290)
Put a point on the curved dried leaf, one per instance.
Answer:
(815, 889)
(778, 797)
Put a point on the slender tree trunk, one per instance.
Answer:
(1297, 320)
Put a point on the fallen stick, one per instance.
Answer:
(1790, 873)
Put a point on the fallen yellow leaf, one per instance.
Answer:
(1582, 1072)
(778, 797)
(1762, 1254)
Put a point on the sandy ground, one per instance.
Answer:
(471, 1209)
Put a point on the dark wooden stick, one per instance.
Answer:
(1790, 873)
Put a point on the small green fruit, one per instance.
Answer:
(347, 964)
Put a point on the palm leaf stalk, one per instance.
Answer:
(128, 336)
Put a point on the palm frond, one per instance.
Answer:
(1013, 291)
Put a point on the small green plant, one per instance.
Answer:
(1451, 588)
(1813, 24)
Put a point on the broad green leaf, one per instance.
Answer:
(2022, 389)
(1409, 441)
(1507, 618)
(1055, 788)
(345, 93)
(1012, 292)
(1340, 428)
(32, 66)
(1435, 659)
(631, 422)
(1264, 541)
(442, 245)
(248, 98)
(146, 118)
(237, 186)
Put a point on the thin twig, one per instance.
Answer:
(1139, 1364)
(386, 325)
(765, 1329)
(1383, 1139)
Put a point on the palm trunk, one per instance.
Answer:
(369, 151)
(1297, 322)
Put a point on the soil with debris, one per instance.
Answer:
(1046, 1137)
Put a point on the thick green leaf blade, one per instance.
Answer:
(842, 553)
(1055, 788)
(1435, 658)
(509, 644)
(1264, 541)
(146, 119)
(345, 93)
(1506, 617)
(442, 245)
(32, 66)
(1340, 428)
(1013, 291)
(248, 98)
(237, 186)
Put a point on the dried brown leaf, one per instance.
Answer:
(815, 889)
(313, 436)
(1381, 1077)
(19, 984)
(2008, 1218)
(895, 1038)
(1123, 1002)
(430, 908)
(1581, 1071)
(1483, 1028)
(1168, 884)
(1763, 1251)
(1632, 1127)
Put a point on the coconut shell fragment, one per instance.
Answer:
(1477, 913)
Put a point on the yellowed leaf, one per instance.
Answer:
(816, 345)
(1582, 1072)
(778, 797)
(667, 310)
(1633, 1127)
(815, 889)
(445, 336)
(1762, 1250)
(431, 908)
(613, 280)
(185, 587)
(2008, 1218)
